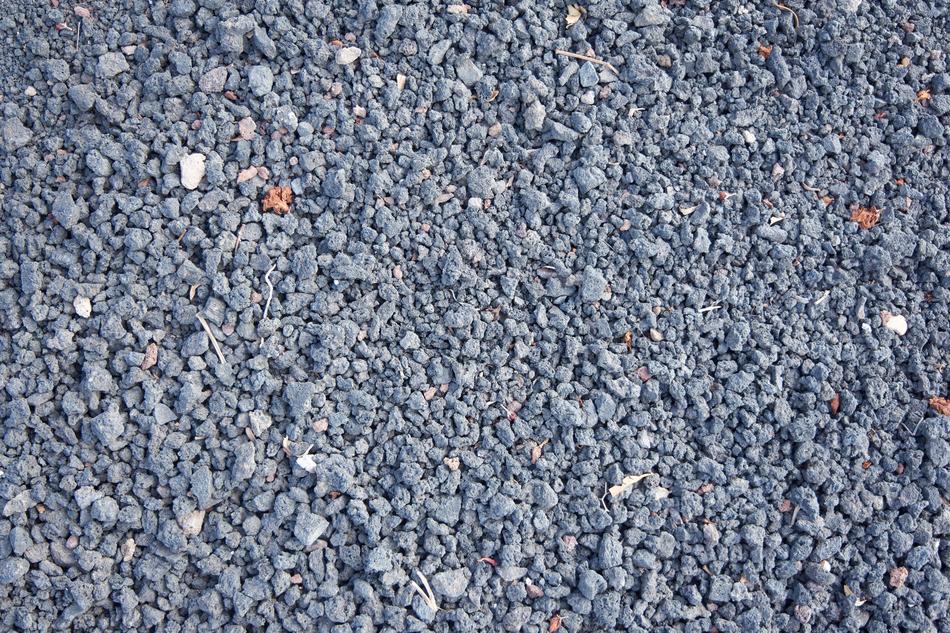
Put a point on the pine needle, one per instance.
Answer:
(427, 596)
(214, 341)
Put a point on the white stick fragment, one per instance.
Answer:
(709, 308)
(214, 341)
(270, 295)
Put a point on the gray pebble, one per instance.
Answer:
(12, 569)
(450, 584)
(111, 64)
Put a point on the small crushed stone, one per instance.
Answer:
(623, 316)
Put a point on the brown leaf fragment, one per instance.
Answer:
(866, 217)
(834, 404)
(574, 13)
(534, 591)
(628, 340)
(940, 405)
(82, 12)
(278, 200)
(706, 488)
(866, 464)
(296, 579)
(247, 174)
(429, 394)
(764, 51)
(628, 482)
(229, 95)
(827, 200)
(151, 356)
(900, 469)
(536, 451)
(554, 624)
(897, 577)
(922, 95)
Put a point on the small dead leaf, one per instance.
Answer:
(452, 462)
(533, 591)
(764, 51)
(827, 200)
(554, 624)
(247, 174)
(574, 13)
(898, 576)
(307, 463)
(536, 451)
(706, 488)
(659, 492)
(866, 217)
(278, 200)
(128, 549)
(628, 482)
(296, 579)
(488, 560)
(785, 506)
(628, 340)
(894, 322)
(229, 95)
(151, 356)
(834, 404)
(847, 591)
(429, 394)
(866, 464)
(922, 95)
(940, 405)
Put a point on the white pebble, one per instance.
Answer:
(83, 307)
(348, 55)
(192, 170)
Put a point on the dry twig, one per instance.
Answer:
(588, 58)
(782, 7)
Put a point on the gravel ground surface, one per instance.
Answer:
(360, 316)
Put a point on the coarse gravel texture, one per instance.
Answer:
(509, 280)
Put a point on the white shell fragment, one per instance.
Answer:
(894, 322)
